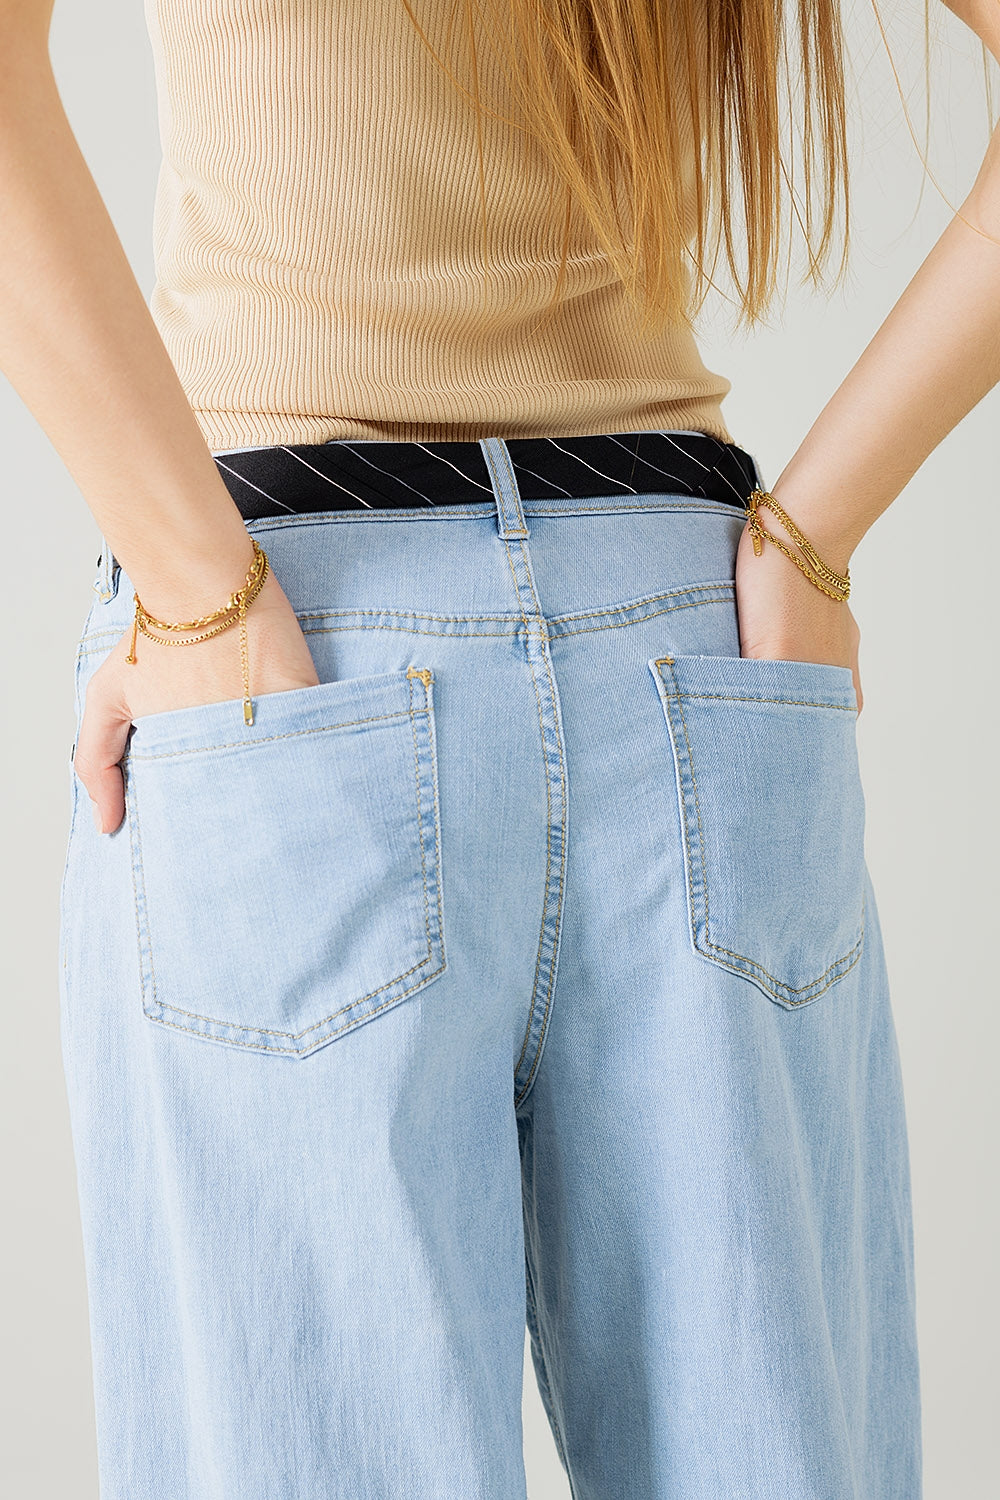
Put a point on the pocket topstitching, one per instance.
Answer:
(287, 875)
(772, 817)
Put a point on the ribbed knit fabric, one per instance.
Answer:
(317, 234)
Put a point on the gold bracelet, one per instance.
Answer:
(835, 585)
(235, 606)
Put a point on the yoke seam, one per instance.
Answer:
(555, 625)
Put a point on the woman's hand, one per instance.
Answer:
(783, 616)
(167, 677)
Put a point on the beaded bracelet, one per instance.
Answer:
(235, 606)
(835, 585)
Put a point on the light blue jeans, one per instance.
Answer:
(527, 968)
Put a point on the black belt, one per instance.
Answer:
(350, 474)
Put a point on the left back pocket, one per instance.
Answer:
(772, 817)
(287, 874)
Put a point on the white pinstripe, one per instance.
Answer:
(336, 486)
(674, 478)
(542, 480)
(670, 440)
(273, 498)
(380, 470)
(458, 471)
(583, 461)
(729, 482)
(468, 479)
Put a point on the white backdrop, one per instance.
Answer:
(925, 594)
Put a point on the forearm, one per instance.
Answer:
(79, 345)
(934, 358)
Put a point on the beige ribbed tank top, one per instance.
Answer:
(318, 255)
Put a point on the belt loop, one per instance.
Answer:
(510, 512)
(108, 570)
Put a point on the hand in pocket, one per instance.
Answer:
(784, 617)
(167, 677)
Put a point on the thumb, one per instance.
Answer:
(100, 746)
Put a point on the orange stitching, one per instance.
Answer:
(265, 739)
(750, 963)
(420, 819)
(656, 500)
(548, 868)
(548, 796)
(631, 604)
(792, 989)
(559, 898)
(409, 616)
(531, 582)
(144, 938)
(697, 804)
(548, 849)
(751, 698)
(294, 1036)
(668, 609)
(293, 1051)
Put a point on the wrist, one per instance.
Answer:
(185, 583)
(820, 522)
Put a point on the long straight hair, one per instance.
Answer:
(680, 129)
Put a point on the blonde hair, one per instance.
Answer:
(667, 123)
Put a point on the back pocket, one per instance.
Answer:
(287, 874)
(772, 815)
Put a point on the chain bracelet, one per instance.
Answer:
(237, 601)
(835, 585)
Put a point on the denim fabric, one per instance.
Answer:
(527, 968)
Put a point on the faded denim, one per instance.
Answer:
(527, 968)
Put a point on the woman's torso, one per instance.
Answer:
(318, 242)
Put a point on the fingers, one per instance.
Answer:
(99, 749)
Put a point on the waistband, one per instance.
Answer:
(354, 474)
(347, 476)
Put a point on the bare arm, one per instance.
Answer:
(934, 358)
(79, 345)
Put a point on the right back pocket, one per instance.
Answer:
(772, 816)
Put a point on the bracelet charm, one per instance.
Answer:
(235, 608)
(835, 585)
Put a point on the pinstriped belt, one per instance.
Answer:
(352, 474)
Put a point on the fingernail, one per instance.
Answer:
(98, 822)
